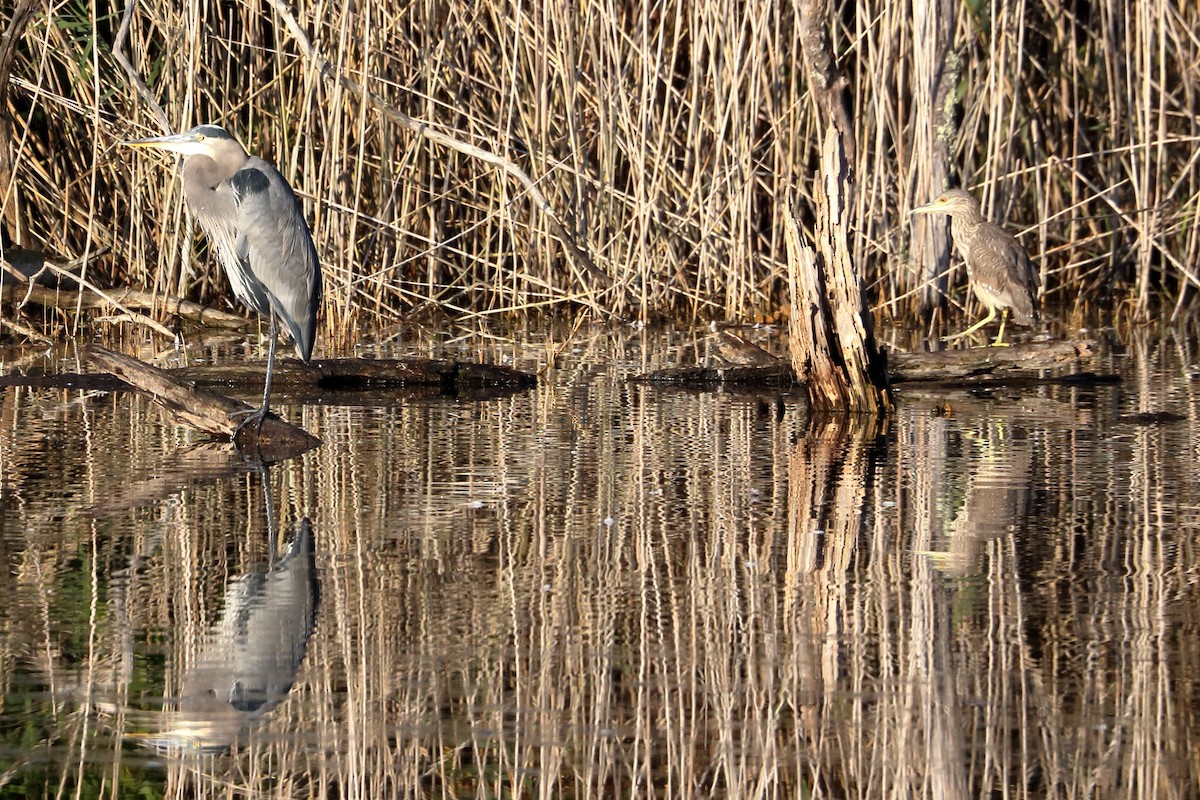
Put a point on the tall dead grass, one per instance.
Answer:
(664, 135)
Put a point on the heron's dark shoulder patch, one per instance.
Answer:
(249, 181)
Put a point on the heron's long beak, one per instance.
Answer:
(175, 142)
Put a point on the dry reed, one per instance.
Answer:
(664, 136)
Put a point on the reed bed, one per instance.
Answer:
(665, 137)
(539, 597)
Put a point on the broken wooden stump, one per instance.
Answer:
(830, 327)
(202, 409)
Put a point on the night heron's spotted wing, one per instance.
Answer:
(1002, 273)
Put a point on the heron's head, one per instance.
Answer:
(203, 140)
(952, 202)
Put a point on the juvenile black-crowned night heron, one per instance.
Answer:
(998, 267)
(256, 225)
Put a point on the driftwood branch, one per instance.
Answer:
(124, 300)
(201, 409)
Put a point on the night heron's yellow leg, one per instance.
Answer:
(1000, 336)
(991, 315)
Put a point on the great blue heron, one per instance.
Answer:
(998, 267)
(256, 225)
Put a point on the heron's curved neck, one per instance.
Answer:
(201, 173)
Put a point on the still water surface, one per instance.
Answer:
(599, 588)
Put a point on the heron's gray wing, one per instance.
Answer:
(274, 236)
(216, 209)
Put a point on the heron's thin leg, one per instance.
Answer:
(991, 315)
(1000, 336)
(270, 368)
(257, 417)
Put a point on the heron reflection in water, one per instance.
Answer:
(249, 659)
(998, 268)
(995, 480)
(257, 228)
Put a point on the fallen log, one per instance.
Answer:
(986, 363)
(764, 375)
(204, 410)
(351, 374)
(1021, 364)
(319, 377)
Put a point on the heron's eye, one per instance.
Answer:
(199, 137)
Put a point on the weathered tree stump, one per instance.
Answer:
(833, 347)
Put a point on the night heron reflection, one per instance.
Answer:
(249, 659)
(998, 268)
(993, 482)
(256, 225)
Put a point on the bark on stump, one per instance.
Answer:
(832, 345)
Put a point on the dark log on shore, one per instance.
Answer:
(351, 374)
(979, 363)
(205, 410)
(977, 367)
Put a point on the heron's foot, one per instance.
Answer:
(253, 421)
(999, 343)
